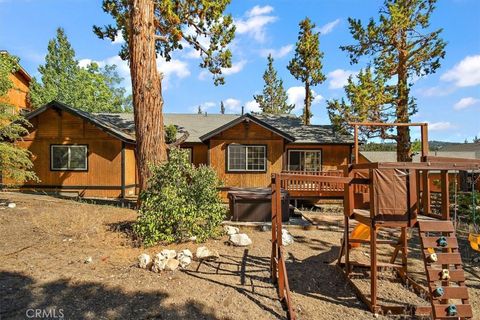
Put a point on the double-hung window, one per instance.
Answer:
(246, 157)
(68, 157)
(305, 160)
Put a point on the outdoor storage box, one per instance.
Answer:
(252, 204)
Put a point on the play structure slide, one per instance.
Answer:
(360, 232)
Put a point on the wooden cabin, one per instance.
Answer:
(17, 96)
(93, 154)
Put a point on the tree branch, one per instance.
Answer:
(179, 141)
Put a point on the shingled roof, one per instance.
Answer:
(200, 126)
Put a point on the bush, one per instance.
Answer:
(181, 201)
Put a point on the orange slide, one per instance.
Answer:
(360, 232)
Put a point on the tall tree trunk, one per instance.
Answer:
(306, 110)
(147, 90)
(403, 133)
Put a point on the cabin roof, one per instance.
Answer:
(201, 127)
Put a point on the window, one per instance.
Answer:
(305, 160)
(68, 157)
(246, 158)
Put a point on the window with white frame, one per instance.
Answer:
(246, 158)
(68, 157)
(305, 160)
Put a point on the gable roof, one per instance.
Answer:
(89, 117)
(247, 117)
(201, 127)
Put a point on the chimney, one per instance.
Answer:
(243, 110)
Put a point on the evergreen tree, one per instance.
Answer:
(200, 110)
(15, 163)
(306, 65)
(92, 88)
(222, 107)
(160, 28)
(274, 97)
(400, 46)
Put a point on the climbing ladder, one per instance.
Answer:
(443, 266)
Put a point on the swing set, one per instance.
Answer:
(391, 195)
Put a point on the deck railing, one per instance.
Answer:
(297, 181)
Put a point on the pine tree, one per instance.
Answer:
(400, 46)
(92, 88)
(306, 65)
(222, 107)
(274, 97)
(200, 110)
(15, 163)
(160, 28)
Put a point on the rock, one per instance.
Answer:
(171, 264)
(203, 253)
(170, 254)
(12, 205)
(476, 260)
(240, 240)
(287, 238)
(185, 258)
(231, 230)
(88, 260)
(144, 261)
(159, 262)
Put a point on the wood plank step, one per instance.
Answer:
(444, 258)
(463, 311)
(431, 242)
(455, 275)
(439, 226)
(452, 293)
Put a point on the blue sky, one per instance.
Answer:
(449, 100)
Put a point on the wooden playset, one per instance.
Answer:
(393, 196)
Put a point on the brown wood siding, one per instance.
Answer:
(199, 152)
(130, 170)
(248, 134)
(17, 96)
(104, 154)
(333, 155)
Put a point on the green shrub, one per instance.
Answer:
(181, 201)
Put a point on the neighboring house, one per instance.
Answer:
(93, 154)
(17, 96)
(434, 177)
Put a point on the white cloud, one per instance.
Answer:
(296, 96)
(232, 105)
(205, 106)
(236, 68)
(465, 103)
(440, 126)
(466, 73)
(277, 53)
(338, 78)
(118, 38)
(327, 28)
(436, 91)
(169, 69)
(252, 106)
(259, 10)
(255, 22)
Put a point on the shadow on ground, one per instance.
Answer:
(20, 293)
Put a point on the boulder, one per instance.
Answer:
(203, 253)
(287, 238)
(159, 262)
(185, 258)
(169, 254)
(144, 261)
(231, 230)
(171, 264)
(88, 260)
(240, 240)
(12, 205)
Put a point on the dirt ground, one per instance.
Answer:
(44, 242)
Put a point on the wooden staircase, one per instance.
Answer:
(449, 295)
